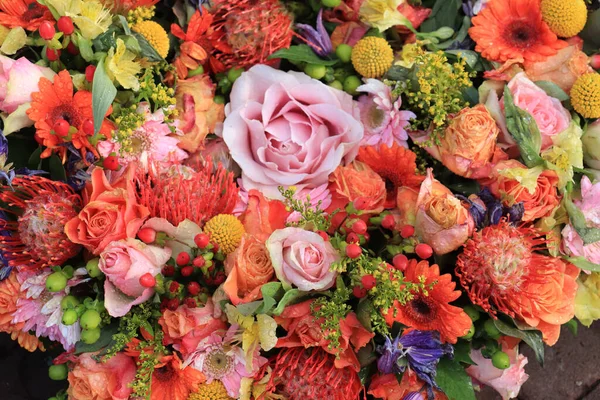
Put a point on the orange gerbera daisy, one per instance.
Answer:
(196, 47)
(396, 165)
(172, 382)
(514, 29)
(429, 309)
(500, 269)
(54, 102)
(28, 14)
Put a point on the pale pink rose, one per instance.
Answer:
(549, 114)
(508, 381)
(18, 79)
(589, 205)
(302, 258)
(123, 263)
(286, 129)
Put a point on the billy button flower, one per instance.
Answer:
(372, 57)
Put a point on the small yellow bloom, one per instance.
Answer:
(92, 19)
(14, 41)
(566, 153)
(526, 177)
(587, 299)
(121, 67)
(382, 14)
(65, 7)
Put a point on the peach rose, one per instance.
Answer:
(441, 221)
(111, 214)
(109, 380)
(357, 182)
(538, 200)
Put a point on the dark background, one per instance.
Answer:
(571, 372)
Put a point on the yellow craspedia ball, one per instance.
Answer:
(155, 35)
(585, 95)
(211, 391)
(225, 230)
(565, 18)
(372, 56)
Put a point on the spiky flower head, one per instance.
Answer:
(372, 57)
(566, 18)
(585, 95)
(155, 35)
(41, 208)
(225, 230)
(211, 391)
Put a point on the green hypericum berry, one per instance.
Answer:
(491, 330)
(69, 317)
(90, 319)
(58, 372)
(68, 302)
(472, 313)
(470, 334)
(331, 3)
(344, 52)
(90, 336)
(234, 73)
(337, 85)
(315, 71)
(218, 99)
(92, 268)
(56, 282)
(501, 360)
(197, 71)
(351, 83)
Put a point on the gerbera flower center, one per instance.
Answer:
(375, 116)
(218, 363)
(520, 34)
(68, 113)
(422, 309)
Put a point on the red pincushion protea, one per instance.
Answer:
(181, 192)
(42, 208)
(246, 32)
(304, 374)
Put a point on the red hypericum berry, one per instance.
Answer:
(174, 287)
(163, 304)
(173, 304)
(202, 240)
(360, 227)
(147, 280)
(352, 238)
(111, 163)
(424, 250)
(323, 235)
(51, 54)
(367, 236)
(61, 127)
(65, 25)
(353, 250)
(47, 30)
(388, 222)
(187, 270)
(90, 70)
(595, 61)
(147, 235)
(191, 303)
(360, 203)
(183, 258)
(199, 262)
(359, 292)
(220, 278)
(400, 262)
(368, 282)
(88, 127)
(72, 49)
(168, 270)
(215, 247)
(194, 288)
(407, 231)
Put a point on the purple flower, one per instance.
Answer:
(318, 38)
(492, 210)
(3, 145)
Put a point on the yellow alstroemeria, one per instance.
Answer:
(65, 7)
(92, 19)
(587, 299)
(382, 14)
(251, 389)
(120, 66)
(527, 177)
(565, 153)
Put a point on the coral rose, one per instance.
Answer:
(111, 214)
(357, 182)
(513, 183)
(123, 263)
(441, 221)
(91, 380)
(286, 129)
(302, 258)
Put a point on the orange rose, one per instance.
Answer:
(195, 96)
(442, 221)
(248, 268)
(357, 182)
(109, 380)
(111, 214)
(539, 200)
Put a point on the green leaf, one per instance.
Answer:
(289, 296)
(272, 293)
(462, 352)
(57, 169)
(572, 325)
(583, 263)
(471, 57)
(363, 313)
(35, 161)
(577, 219)
(471, 95)
(147, 50)
(85, 47)
(524, 130)
(249, 308)
(454, 381)
(301, 53)
(125, 25)
(103, 94)
(443, 13)
(106, 40)
(532, 337)
(366, 373)
(399, 73)
(105, 340)
(553, 90)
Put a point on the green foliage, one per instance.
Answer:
(311, 218)
(302, 53)
(103, 94)
(532, 337)
(454, 381)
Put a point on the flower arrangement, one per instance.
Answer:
(324, 199)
